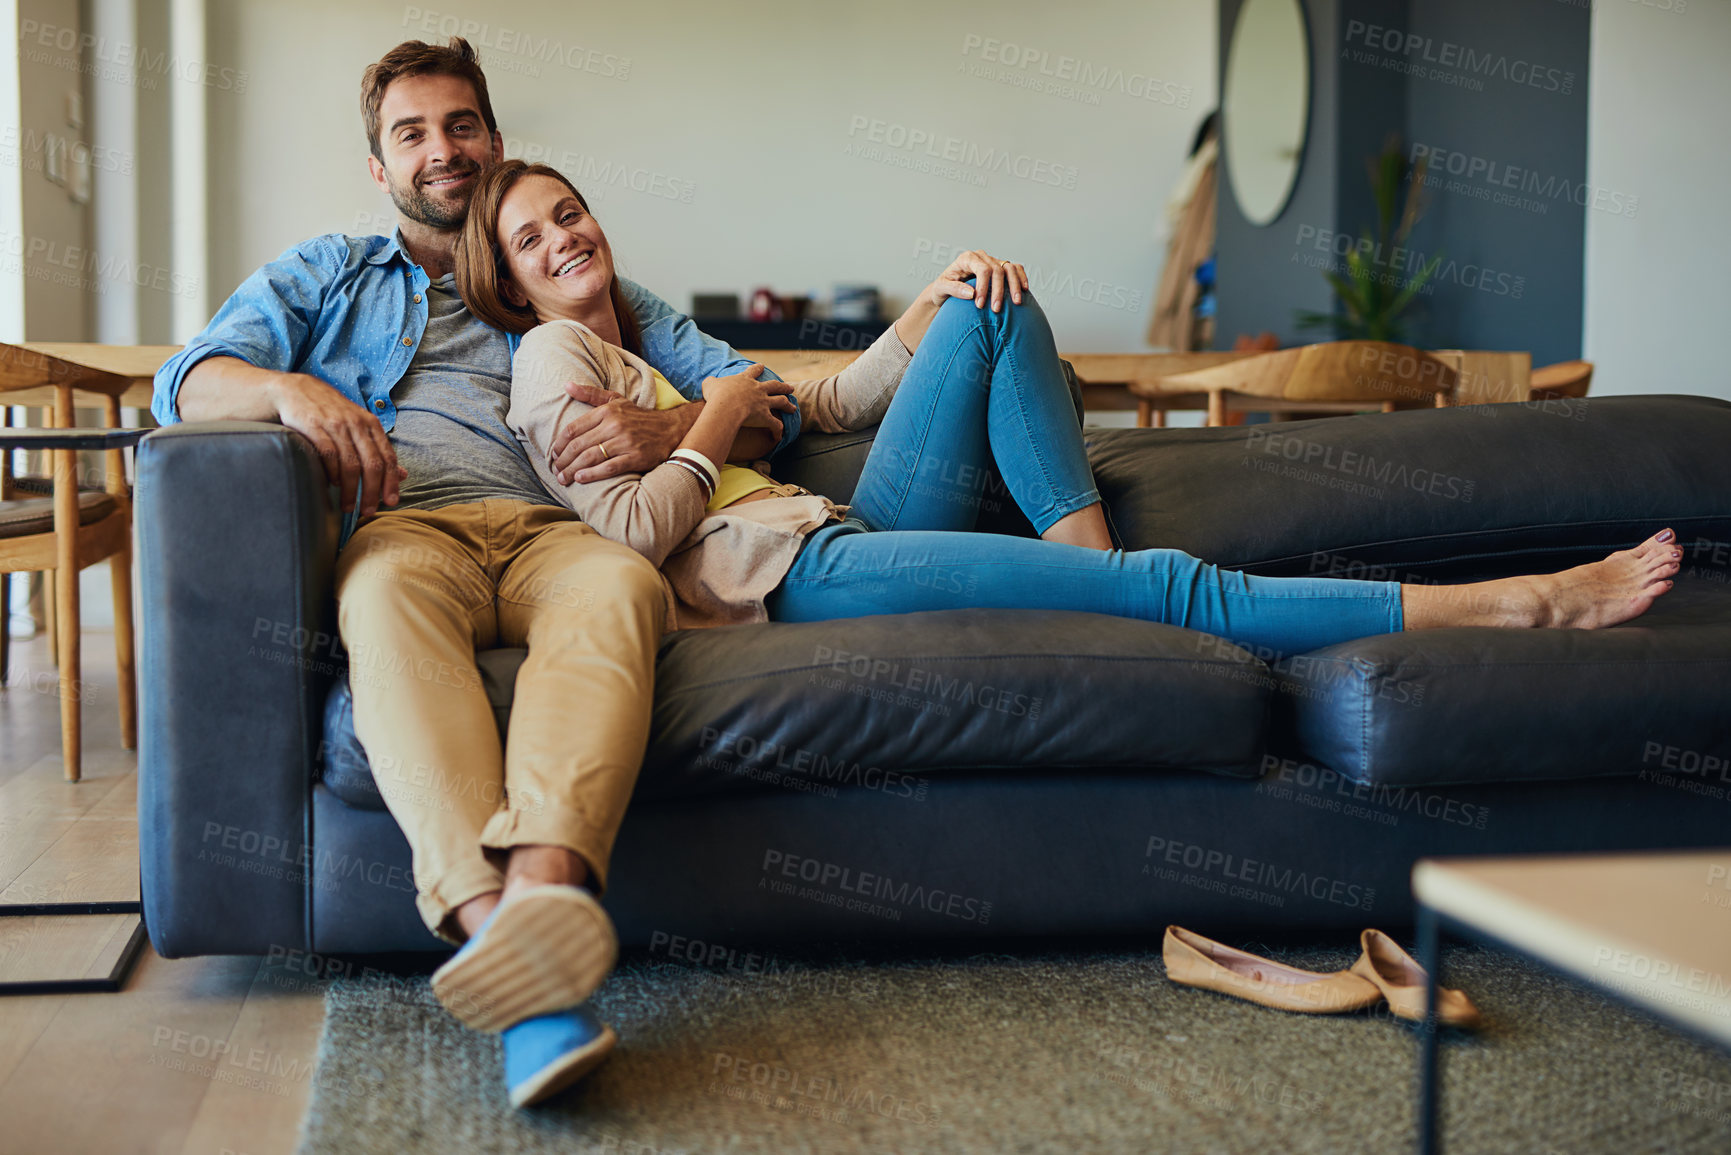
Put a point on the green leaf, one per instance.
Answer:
(1415, 285)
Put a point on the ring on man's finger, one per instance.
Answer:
(604, 454)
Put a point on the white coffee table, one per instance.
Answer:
(1653, 929)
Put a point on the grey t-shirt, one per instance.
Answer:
(451, 434)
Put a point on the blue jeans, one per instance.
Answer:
(982, 380)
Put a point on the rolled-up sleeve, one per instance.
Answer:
(266, 322)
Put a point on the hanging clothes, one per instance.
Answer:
(1190, 219)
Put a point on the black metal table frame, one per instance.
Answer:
(74, 439)
(1431, 924)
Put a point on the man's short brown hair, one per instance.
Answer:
(418, 58)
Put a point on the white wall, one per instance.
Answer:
(54, 235)
(1658, 287)
(750, 113)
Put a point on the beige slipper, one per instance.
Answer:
(1402, 981)
(543, 950)
(1195, 961)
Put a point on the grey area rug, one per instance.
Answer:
(1074, 1052)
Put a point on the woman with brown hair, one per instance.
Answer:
(952, 385)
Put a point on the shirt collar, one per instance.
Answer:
(390, 250)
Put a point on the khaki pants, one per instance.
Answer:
(418, 592)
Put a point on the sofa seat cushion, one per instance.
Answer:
(876, 703)
(1651, 698)
(1440, 494)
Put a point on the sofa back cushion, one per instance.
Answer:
(1423, 495)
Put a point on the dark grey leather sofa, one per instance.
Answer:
(972, 773)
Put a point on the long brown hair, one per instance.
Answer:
(481, 266)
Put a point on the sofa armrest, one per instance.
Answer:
(236, 544)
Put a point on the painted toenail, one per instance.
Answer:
(1666, 536)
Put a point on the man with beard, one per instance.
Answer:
(362, 345)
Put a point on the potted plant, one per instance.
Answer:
(1376, 290)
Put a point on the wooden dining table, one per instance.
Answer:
(136, 363)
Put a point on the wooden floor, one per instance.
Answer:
(194, 1055)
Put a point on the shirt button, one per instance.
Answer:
(379, 404)
(408, 340)
(417, 298)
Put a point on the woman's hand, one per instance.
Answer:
(755, 401)
(992, 278)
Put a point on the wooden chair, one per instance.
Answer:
(75, 527)
(1564, 379)
(1336, 377)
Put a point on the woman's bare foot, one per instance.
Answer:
(1588, 597)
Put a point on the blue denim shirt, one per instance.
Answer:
(351, 310)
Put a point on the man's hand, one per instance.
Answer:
(349, 440)
(616, 436)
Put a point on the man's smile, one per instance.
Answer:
(449, 181)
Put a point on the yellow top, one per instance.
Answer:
(736, 480)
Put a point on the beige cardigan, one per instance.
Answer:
(717, 568)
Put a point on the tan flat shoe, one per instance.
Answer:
(1195, 961)
(1402, 981)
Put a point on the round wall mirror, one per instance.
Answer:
(1266, 107)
